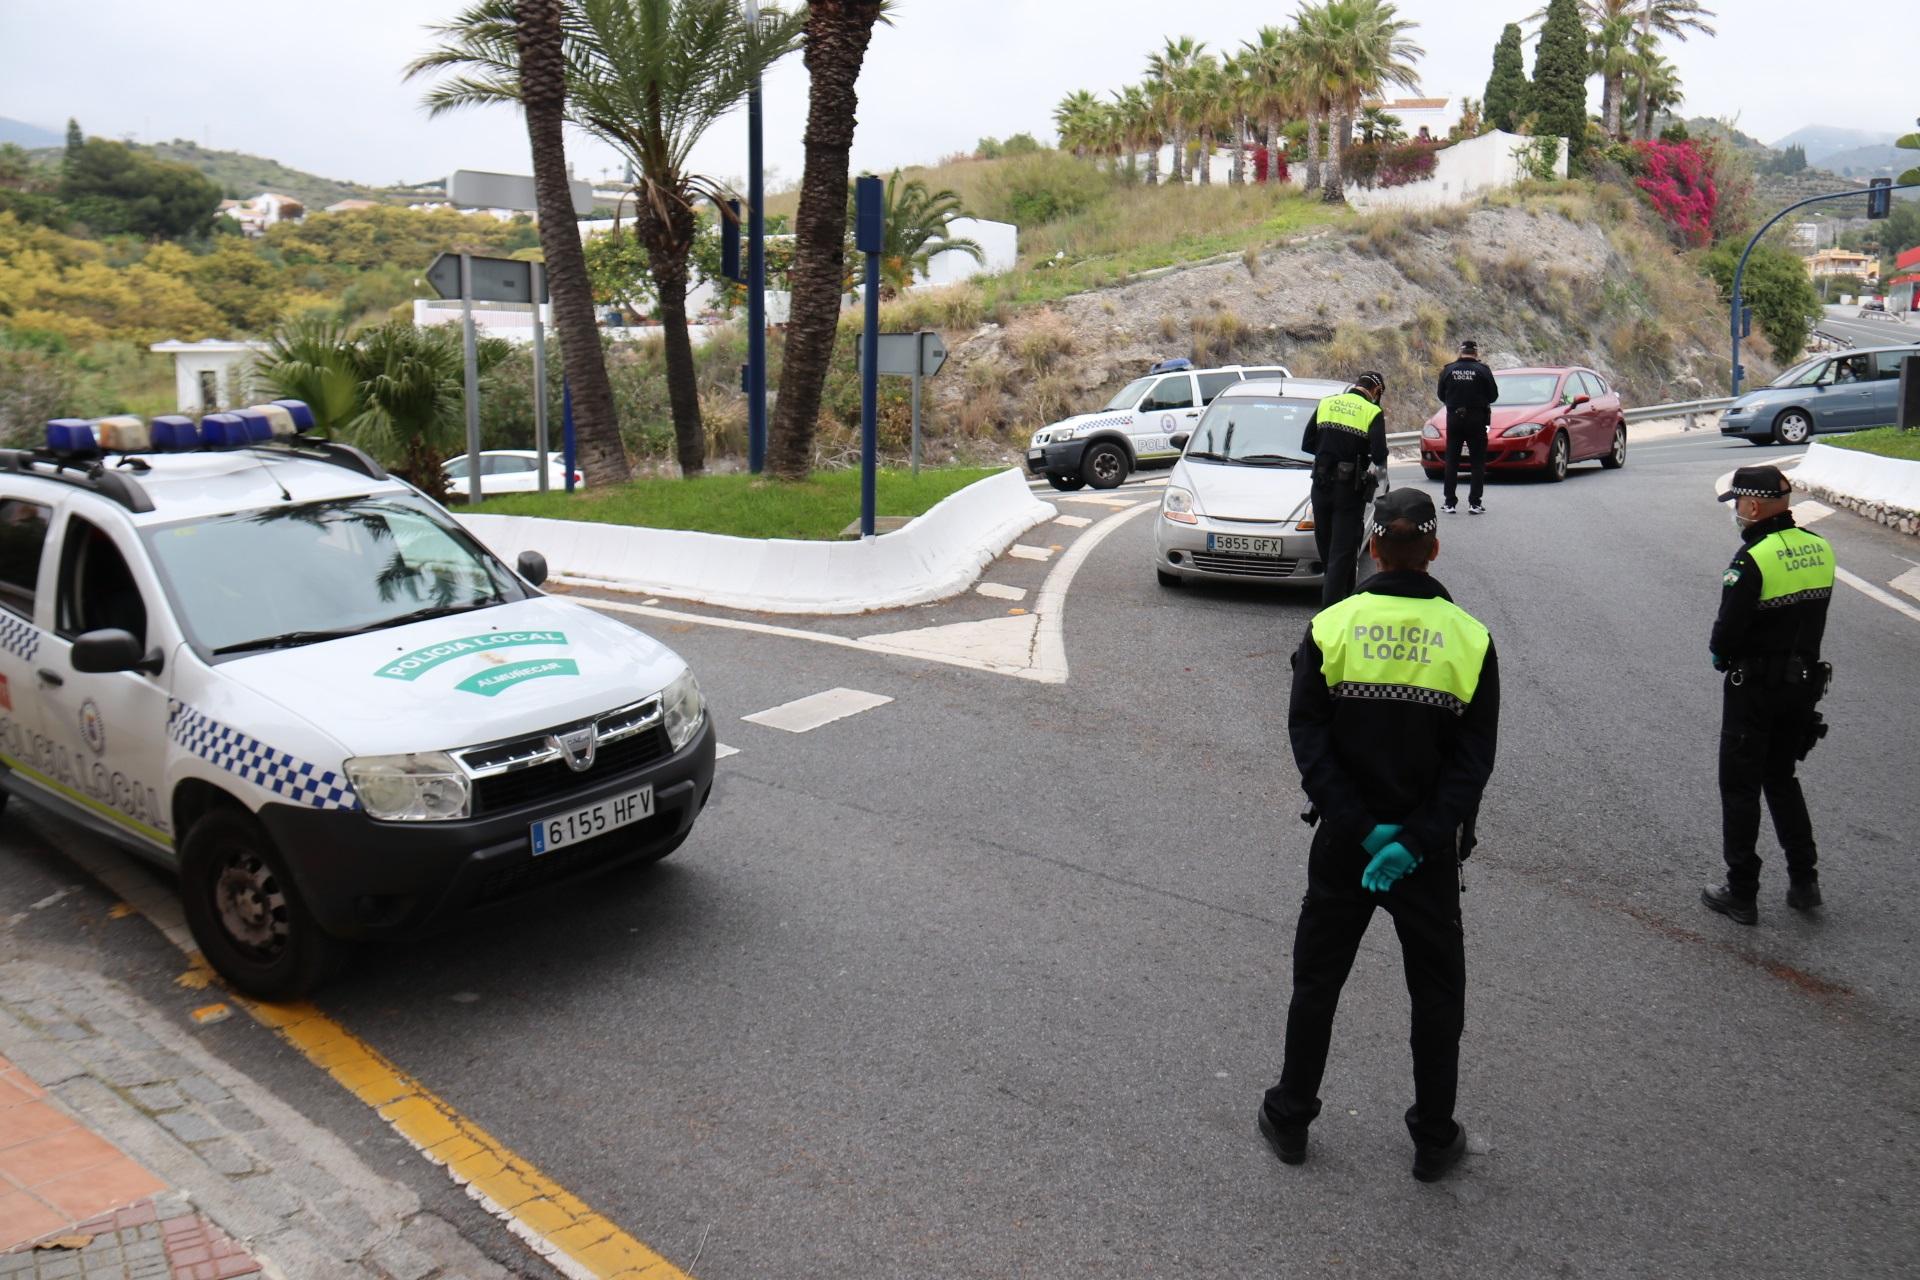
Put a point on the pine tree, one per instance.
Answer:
(1560, 68)
(75, 139)
(1506, 100)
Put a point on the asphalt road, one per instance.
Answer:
(988, 980)
(1847, 322)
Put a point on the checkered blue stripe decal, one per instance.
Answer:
(258, 763)
(1401, 693)
(18, 636)
(1799, 597)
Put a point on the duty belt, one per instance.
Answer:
(1773, 670)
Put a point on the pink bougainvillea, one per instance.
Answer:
(1677, 179)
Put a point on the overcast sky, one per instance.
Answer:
(316, 83)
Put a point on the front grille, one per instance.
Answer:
(573, 860)
(1244, 566)
(551, 783)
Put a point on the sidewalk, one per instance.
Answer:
(128, 1152)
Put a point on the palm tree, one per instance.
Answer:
(1612, 24)
(1238, 101)
(1652, 85)
(1612, 43)
(648, 77)
(1274, 70)
(1074, 120)
(916, 231)
(837, 35)
(1166, 77)
(1202, 99)
(1135, 107)
(1377, 125)
(312, 359)
(1359, 49)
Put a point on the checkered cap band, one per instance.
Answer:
(18, 636)
(1425, 526)
(1740, 492)
(249, 758)
(1412, 693)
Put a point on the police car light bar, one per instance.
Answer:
(174, 433)
(224, 431)
(123, 433)
(302, 415)
(72, 437)
(1171, 366)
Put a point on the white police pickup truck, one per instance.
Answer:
(1137, 426)
(264, 663)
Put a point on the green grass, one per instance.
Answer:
(746, 506)
(1888, 442)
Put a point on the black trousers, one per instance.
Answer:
(1425, 907)
(1474, 441)
(1760, 735)
(1337, 511)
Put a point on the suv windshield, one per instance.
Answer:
(286, 576)
(1130, 394)
(1526, 388)
(1253, 432)
(1805, 371)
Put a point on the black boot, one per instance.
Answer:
(1804, 895)
(1290, 1144)
(1430, 1164)
(1736, 907)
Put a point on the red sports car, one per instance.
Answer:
(1545, 421)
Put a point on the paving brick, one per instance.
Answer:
(190, 1126)
(235, 1118)
(226, 1155)
(401, 1260)
(201, 1089)
(157, 1097)
(270, 1193)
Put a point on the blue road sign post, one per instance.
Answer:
(566, 431)
(869, 237)
(1740, 272)
(756, 378)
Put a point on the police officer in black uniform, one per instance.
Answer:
(1468, 389)
(1773, 616)
(1394, 719)
(1347, 437)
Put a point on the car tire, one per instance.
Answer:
(1793, 427)
(246, 913)
(1169, 579)
(1105, 465)
(1065, 484)
(1558, 457)
(1434, 474)
(1616, 457)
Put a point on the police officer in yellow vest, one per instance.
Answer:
(1347, 437)
(1394, 718)
(1773, 616)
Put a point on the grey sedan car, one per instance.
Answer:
(1236, 506)
(1838, 391)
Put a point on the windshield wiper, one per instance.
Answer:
(1274, 460)
(293, 639)
(1204, 456)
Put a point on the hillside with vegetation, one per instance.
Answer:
(240, 175)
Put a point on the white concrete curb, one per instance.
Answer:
(935, 556)
(1879, 488)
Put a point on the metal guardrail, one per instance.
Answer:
(1691, 410)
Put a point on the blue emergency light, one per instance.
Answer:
(1171, 366)
(259, 426)
(72, 437)
(224, 431)
(178, 433)
(175, 433)
(302, 415)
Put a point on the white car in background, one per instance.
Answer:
(508, 471)
(1237, 506)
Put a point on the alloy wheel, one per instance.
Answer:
(251, 905)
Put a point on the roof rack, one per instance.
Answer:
(313, 449)
(81, 473)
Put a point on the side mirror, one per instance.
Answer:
(1577, 401)
(532, 566)
(109, 650)
(1179, 439)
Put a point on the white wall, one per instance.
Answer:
(514, 321)
(231, 365)
(1463, 172)
(1000, 241)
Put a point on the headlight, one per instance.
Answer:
(683, 707)
(424, 787)
(1430, 432)
(1525, 430)
(1177, 505)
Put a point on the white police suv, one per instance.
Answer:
(256, 658)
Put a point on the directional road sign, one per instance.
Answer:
(494, 279)
(908, 354)
(477, 189)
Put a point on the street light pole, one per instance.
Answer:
(756, 275)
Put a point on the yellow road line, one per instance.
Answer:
(561, 1227)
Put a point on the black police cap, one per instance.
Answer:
(1758, 482)
(1410, 505)
(1470, 348)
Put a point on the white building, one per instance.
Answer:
(1462, 172)
(1436, 115)
(211, 374)
(262, 211)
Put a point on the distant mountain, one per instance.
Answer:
(1822, 141)
(240, 175)
(1707, 127)
(22, 134)
(1866, 162)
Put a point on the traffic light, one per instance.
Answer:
(730, 242)
(1880, 198)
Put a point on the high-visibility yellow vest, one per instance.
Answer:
(1349, 411)
(1794, 566)
(1401, 649)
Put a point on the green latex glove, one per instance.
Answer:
(1377, 839)
(1388, 865)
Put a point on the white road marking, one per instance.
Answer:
(722, 751)
(1050, 646)
(1908, 582)
(1097, 499)
(1807, 512)
(997, 591)
(1074, 522)
(803, 715)
(1866, 588)
(1021, 551)
(1003, 644)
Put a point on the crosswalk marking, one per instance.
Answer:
(996, 591)
(1021, 551)
(808, 713)
(1805, 513)
(1908, 582)
(722, 751)
(1074, 522)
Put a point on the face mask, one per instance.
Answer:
(1739, 521)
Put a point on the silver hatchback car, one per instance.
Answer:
(1237, 506)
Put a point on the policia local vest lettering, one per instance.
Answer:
(1349, 411)
(1795, 567)
(1401, 649)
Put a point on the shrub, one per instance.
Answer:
(1043, 341)
(1677, 181)
(1043, 187)
(1784, 302)
(1371, 164)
